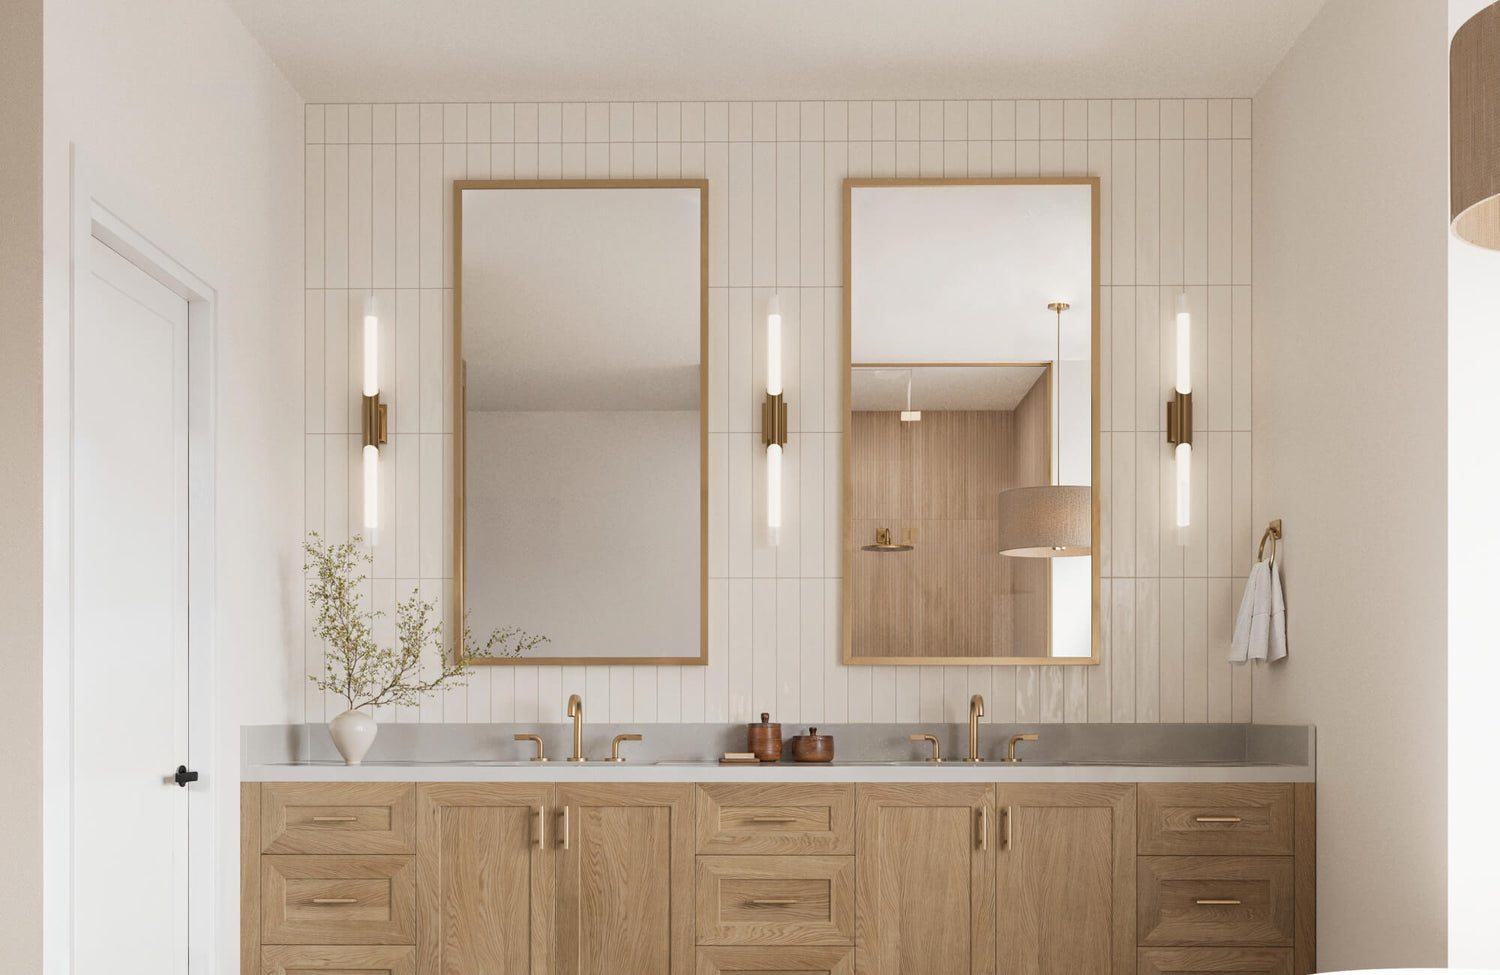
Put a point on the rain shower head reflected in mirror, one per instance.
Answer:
(962, 385)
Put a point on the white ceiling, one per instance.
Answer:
(580, 50)
(943, 387)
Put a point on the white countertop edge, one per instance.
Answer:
(563, 772)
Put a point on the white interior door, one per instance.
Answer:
(130, 621)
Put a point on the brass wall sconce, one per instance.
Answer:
(372, 419)
(1180, 417)
(773, 420)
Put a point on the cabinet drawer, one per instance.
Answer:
(1209, 961)
(776, 819)
(338, 960)
(350, 817)
(776, 900)
(776, 961)
(338, 900)
(1214, 900)
(1215, 819)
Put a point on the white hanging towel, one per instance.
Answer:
(1260, 628)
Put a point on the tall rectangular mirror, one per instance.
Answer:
(580, 435)
(971, 425)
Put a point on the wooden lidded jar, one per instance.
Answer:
(765, 739)
(812, 747)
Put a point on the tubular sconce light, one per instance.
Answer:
(372, 418)
(773, 420)
(1180, 417)
(1474, 129)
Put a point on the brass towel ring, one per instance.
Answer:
(1273, 535)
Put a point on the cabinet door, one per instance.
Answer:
(485, 875)
(625, 883)
(925, 881)
(1066, 869)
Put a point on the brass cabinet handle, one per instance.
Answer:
(564, 827)
(335, 819)
(1216, 819)
(984, 827)
(335, 900)
(541, 819)
(773, 819)
(1204, 902)
(1005, 818)
(773, 902)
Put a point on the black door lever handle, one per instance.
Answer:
(183, 776)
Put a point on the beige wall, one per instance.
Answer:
(177, 108)
(21, 484)
(1350, 450)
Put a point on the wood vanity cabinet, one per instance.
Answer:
(625, 879)
(486, 878)
(1066, 878)
(925, 879)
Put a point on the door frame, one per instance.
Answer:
(101, 208)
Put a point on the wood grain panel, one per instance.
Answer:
(338, 900)
(1228, 819)
(338, 817)
(955, 595)
(1214, 961)
(250, 878)
(775, 961)
(485, 879)
(625, 884)
(1066, 878)
(1170, 890)
(775, 819)
(339, 960)
(925, 889)
(1305, 842)
(775, 900)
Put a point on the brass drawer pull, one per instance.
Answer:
(335, 900)
(773, 819)
(1005, 818)
(541, 819)
(564, 837)
(1216, 819)
(335, 819)
(984, 827)
(772, 902)
(1209, 902)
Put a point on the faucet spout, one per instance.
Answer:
(575, 711)
(976, 711)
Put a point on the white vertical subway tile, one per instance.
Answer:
(1122, 358)
(1148, 650)
(1148, 212)
(1028, 158)
(668, 160)
(430, 362)
(336, 124)
(1052, 704)
(1241, 356)
(739, 245)
(1151, 386)
(882, 121)
(1220, 630)
(314, 354)
(337, 356)
(643, 161)
(1171, 118)
(314, 124)
(668, 122)
(979, 124)
(1215, 409)
(859, 122)
(1003, 121)
(408, 216)
(741, 490)
(354, 366)
(573, 123)
(430, 117)
(954, 121)
(430, 216)
(1028, 696)
(596, 161)
(718, 505)
(743, 318)
(1240, 213)
(1122, 648)
(908, 122)
(1242, 534)
(596, 122)
(1220, 211)
(1170, 266)
(1122, 211)
(1051, 120)
(642, 693)
(835, 674)
(908, 691)
(1000, 696)
(1050, 157)
(455, 123)
(1101, 155)
(528, 123)
(1148, 119)
(809, 228)
(930, 692)
(1150, 461)
(1170, 652)
(361, 216)
(1195, 118)
(1195, 211)
(1122, 119)
(1220, 119)
(549, 708)
(361, 124)
(527, 687)
(788, 188)
(705, 690)
(669, 690)
(313, 197)
(1099, 117)
(1220, 458)
(835, 169)
(408, 123)
(882, 159)
(1101, 682)
(596, 692)
(621, 160)
(978, 161)
(763, 660)
(1075, 119)
(548, 122)
(549, 160)
(407, 459)
(383, 216)
(740, 122)
(811, 705)
(930, 159)
(882, 693)
(1243, 110)
(723, 207)
(1104, 478)
(1122, 509)
(763, 213)
(788, 122)
(788, 649)
(336, 216)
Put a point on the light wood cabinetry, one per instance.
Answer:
(339, 960)
(925, 902)
(775, 961)
(485, 879)
(777, 879)
(1066, 873)
(625, 879)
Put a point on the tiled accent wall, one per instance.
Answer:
(1176, 212)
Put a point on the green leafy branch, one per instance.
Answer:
(367, 674)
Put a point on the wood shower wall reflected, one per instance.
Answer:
(953, 594)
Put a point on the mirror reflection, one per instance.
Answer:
(579, 454)
(971, 399)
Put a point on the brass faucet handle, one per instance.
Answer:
(1011, 748)
(541, 747)
(937, 756)
(614, 748)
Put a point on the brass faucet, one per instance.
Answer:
(575, 711)
(1011, 748)
(937, 756)
(541, 748)
(614, 748)
(976, 711)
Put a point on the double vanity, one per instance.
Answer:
(1108, 849)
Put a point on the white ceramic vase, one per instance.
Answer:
(353, 733)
